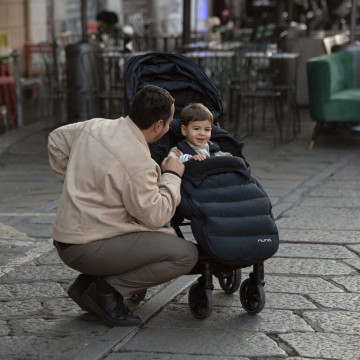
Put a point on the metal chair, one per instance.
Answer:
(284, 67)
(111, 82)
(265, 76)
(252, 89)
(10, 97)
(218, 65)
(46, 76)
(3, 119)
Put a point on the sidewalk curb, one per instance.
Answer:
(293, 198)
(116, 337)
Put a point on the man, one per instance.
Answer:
(115, 207)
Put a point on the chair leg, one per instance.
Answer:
(297, 121)
(280, 116)
(244, 116)
(281, 113)
(239, 115)
(264, 114)
(252, 99)
(315, 135)
(249, 115)
(277, 124)
(231, 104)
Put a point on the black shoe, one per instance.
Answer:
(76, 290)
(109, 307)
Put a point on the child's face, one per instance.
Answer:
(197, 132)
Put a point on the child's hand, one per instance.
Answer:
(228, 154)
(198, 157)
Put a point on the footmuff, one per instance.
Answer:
(230, 211)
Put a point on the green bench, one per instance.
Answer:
(332, 97)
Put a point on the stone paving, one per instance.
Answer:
(312, 283)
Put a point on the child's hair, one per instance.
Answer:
(195, 112)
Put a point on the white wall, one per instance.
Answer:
(201, 9)
(167, 15)
(59, 16)
(37, 21)
(117, 7)
(12, 22)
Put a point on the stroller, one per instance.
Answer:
(229, 211)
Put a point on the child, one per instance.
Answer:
(196, 122)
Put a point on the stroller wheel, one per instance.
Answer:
(230, 281)
(138, 297)
(200, 301)
(252, 296)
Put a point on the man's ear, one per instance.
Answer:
(159, 125)
(183, 130)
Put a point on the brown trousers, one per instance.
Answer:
(132, 262)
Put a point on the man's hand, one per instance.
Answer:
(173, 164)
(198, 157)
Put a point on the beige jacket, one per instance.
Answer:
(111, 185)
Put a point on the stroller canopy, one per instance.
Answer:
(185, 81)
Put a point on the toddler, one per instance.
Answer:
(196, 123)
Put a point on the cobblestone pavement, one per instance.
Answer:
(312, 283)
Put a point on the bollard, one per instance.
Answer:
(19, 119)
(82, 73)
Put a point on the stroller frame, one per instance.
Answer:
(200, 298)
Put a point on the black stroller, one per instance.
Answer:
(230, 213)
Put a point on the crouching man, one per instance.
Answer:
(114, 207)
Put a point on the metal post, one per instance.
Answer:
(353, 22)
(280, 11)
(17, 90)
(55, 86)
(291, 10)
(186, 21)
(84, 20)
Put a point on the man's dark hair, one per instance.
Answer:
(150, 105)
